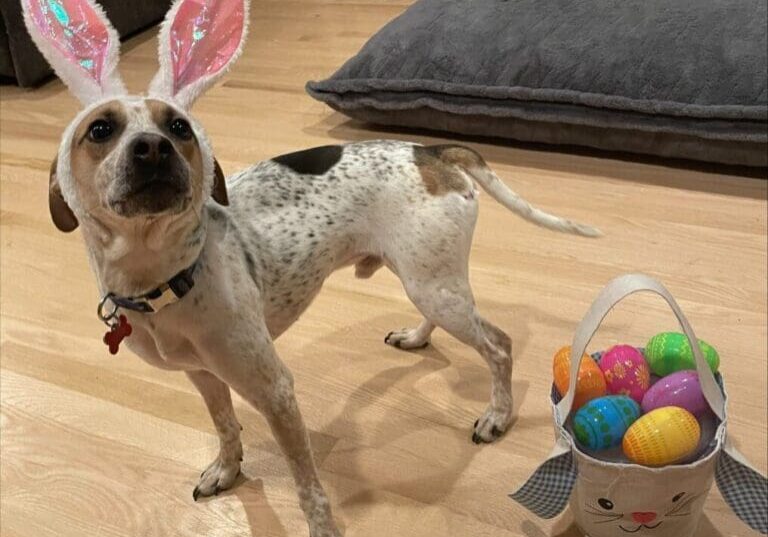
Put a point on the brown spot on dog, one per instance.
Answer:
(459, 155)
(63, 217)
(366, 267)
(87, 154)
(163, 115)
(219, 184)
(439, 166)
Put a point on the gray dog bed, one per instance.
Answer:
(679, 79)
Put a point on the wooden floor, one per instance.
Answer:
(94, 445)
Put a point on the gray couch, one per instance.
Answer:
(20, 62)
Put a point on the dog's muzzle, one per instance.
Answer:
(156, 178)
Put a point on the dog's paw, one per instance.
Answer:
(219, 476)
(491, 426)
(407, 339)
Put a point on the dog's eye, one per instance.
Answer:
(678, 496)
(605, 503)
(181, 129)
(100, 130)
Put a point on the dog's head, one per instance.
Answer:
(127, 158)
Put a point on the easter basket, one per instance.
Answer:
(609, 499)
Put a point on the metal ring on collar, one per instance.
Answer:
(100, 310)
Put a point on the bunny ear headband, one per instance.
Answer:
(199, 41)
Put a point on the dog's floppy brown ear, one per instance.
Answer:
(219, 184)
(62, 216)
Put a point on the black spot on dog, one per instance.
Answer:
(315, 161)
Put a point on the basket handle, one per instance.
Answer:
(612, 294)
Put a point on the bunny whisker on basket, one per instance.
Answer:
(608, 518)
(614, 519)
(682, 506)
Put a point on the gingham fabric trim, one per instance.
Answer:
(745, 490)
(547, 491)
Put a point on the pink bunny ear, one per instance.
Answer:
(80, 44)
(199, 40)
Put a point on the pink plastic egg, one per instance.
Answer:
(681, 389)
(626, 372)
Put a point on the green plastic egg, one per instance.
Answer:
(670, 352)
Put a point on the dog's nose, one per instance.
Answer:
(151, 149)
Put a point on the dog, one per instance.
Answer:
(203, 273)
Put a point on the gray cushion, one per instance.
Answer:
(681, 79)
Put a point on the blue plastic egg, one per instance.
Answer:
(602, 422)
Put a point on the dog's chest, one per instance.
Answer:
(162, 343)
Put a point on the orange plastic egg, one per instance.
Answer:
(590, 383)
(663, 436)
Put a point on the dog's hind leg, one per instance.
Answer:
(430, 256)
(449, 305)
(222, 472)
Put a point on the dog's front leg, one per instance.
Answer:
(252, 368)
(222, 472)
(282, 412)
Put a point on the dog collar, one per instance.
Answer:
(168, 293)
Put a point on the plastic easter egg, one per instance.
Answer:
(589, 384)
(669, 352)
(602, 422)
(626, 372)
(663, 436)
(680, 389)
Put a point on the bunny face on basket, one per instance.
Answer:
(626, 515)
(656, 421)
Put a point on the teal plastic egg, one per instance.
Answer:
(602, 422)
(670, 352)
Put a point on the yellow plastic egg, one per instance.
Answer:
(663, 436)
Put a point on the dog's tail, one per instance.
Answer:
(474, 165)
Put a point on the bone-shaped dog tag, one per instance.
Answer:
(119, 331)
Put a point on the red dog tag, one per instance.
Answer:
(119, 331)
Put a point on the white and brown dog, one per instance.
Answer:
(207, 279)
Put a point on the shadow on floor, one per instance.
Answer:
(470, 382)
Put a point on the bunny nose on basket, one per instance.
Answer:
(643, 518)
